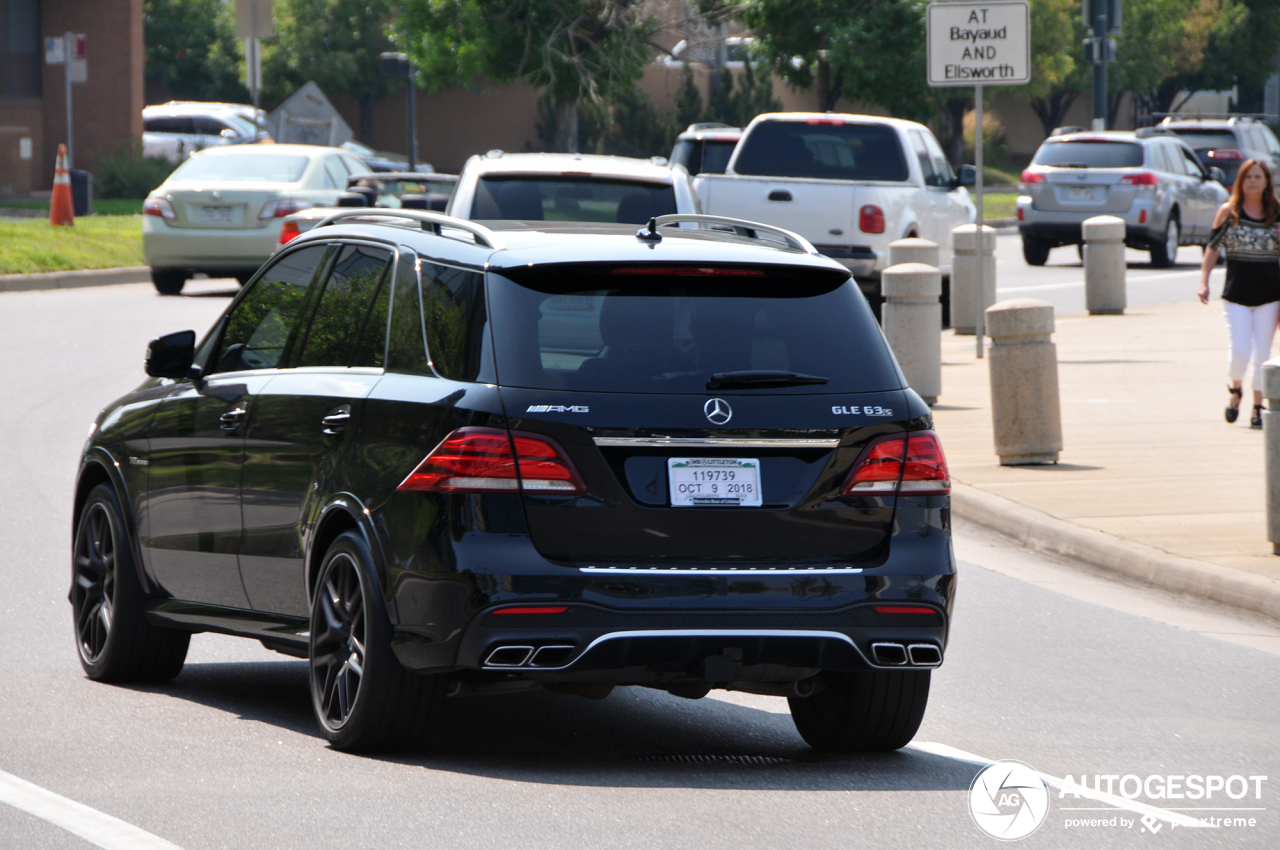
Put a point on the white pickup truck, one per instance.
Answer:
(850, 184)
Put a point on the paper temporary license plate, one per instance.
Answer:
(714, 482)
(215, 215)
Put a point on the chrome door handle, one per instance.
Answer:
(336, 421)
(231, 420)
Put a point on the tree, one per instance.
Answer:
(192, 49)
(335, 43)
(1241, 51)
(872, 51)
(576, 50)
(753, 95)
(1059, 70)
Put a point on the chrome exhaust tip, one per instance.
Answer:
(551, 656)
(924, 654)
(889, 654)
(509, 656)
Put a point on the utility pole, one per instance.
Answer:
(400, 65)
(1102, 17)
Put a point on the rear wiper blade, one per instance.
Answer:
(1072, 165)
(761, 378)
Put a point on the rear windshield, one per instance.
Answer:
(248, 166)
(715, 156)
(1082, 154)
(830, 151)
(606, 330)
(570, 199)
(1198, 139)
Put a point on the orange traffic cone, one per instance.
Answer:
(61, 208)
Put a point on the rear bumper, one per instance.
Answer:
(594, 644)
(201, 250)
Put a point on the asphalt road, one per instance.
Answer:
(1068, 671)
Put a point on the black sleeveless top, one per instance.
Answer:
(1253, 261)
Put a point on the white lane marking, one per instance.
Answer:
(1054, 782)
(1141, 278)
(78, 819)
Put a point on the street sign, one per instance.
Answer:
(79, 67)
(979, 43)
(254, 19)
(55, 51)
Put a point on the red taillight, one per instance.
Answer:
(288, 230)
(1142, 217)
(159, 207)
(490, 460)
(1228, 155)
(280, 209)
(1146, 178)
(1030, 176)
(1021, 214)
(689, 271)
(903, 609)
(912, 464)
(871, 219)
(540, 609)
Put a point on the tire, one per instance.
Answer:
(870, 712)
(1165, 254)
(116, 643)
(168, 282)
(1035, 251)
(363, 698)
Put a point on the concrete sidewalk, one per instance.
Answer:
(1152, 482)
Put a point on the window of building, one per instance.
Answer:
(20, 48)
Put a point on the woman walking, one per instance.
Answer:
(1245, 229)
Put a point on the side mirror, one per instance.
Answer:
(968, 176)
(170, 356)
(1218, 174)
(230, 134)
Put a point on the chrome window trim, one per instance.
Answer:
(727, 442)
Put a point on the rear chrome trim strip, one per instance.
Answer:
(727, 571)
(727, 442)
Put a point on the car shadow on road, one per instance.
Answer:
(636, 737)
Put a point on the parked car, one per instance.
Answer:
(178, 129)
(1151, 180)
(220, 211)
(705, 148)
(390, 190)
(437, 459)
(570, 187)
(381, 161)
(851, 184)
(1226, 142)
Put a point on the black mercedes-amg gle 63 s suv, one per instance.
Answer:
(438, 459)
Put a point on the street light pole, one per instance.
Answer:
(1099, 47)
(399, 65)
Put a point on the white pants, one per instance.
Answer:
(1251, 330)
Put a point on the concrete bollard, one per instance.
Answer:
(912, 316)
(1271, 437)
(964, 275)
(1104, 265)
(913, 250)
(1025, 412)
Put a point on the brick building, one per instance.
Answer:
(106, 109)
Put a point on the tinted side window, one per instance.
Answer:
(350, 317)
(261, 324)
(168, 124)
(940, 164)
(1190, 162)
(454, 316)
(715, 157)
(335, 174)
(922, 154)
(208, 126)
(407, 348)
(834, 151)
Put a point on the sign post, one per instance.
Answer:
(254, 22)
(1102, 17)
(972, 44)
(69, 51)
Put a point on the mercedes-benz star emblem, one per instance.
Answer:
(718, 411)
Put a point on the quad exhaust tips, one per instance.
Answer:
(906, 655)
(528, 656)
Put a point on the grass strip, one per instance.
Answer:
(101, 206)
(32, 245)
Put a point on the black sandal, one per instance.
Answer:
(1233, 413)
(1255, 421)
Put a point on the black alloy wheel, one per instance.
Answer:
(875, 711)
(114, 639)
(363, 698)
(1165, 254)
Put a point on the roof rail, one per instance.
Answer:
(740, 227)
(432, 221)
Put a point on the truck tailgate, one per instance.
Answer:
(821, 211)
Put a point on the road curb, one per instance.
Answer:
(1041, 532)
(74, 279)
